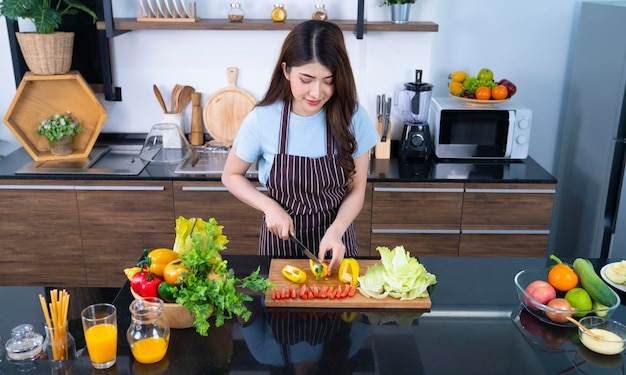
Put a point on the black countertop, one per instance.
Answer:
(381, 170)
(475, 326)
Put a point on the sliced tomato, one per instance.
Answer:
(324, 292)
(352, 291)
(292, 292)
(284, 293)
(303, 292)
(331, 292)
(345, 291)
(316, 291)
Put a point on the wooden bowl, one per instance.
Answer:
(174, 315)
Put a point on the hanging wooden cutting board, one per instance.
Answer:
(358, 302)
(226, 109)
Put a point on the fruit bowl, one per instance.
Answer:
(525, 277)
(174, 315)
(479, 103)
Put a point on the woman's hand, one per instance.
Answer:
(332, 242)
(278, 221)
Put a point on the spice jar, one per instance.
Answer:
(147, 335)
(320, 12)
(24, 347)
(279, 14)
(235, 14)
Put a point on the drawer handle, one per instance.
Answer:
(36, 187)
(212, 188)
(512, 191)
(121, 188)
(503, 231)
(417, 231)
(419, 190)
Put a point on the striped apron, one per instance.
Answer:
(311, 191)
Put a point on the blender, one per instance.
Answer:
(413, 104)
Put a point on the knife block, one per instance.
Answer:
(382, 150)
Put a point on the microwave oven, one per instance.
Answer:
(468, 131)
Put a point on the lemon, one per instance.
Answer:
(458, 76)
(130, 272)
(456, 87)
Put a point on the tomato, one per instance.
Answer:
(499, 92)
(145, 284)
(294, 274)
(483, 93)
(174, 272)
(349, 271)
(559, 316)
(318, 270)
(303, 292)
(159, 258)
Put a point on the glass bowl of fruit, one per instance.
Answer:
(551, 306)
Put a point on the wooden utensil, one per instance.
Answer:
(197, 132)
(577, 323)
(159, 97)
(226, 109)
(185, 97)
(175, 98)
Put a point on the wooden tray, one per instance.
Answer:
(39, 97)
(358, 302)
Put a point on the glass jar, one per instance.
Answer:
(320, 12)
(235, 14)
(147, 335)
(24, 347)
(59, 344)
(279, 14)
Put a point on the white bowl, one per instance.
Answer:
(612, 335)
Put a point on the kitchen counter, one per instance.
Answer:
(381, 170)
(475, 326)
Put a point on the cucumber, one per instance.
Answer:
(592, 283)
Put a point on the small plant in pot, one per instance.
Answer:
(47, 16)
(399, 10)
(60, 130)
(390, 2)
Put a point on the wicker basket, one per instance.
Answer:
(47, 54)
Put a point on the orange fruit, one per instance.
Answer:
(483, 93)
(499, 92)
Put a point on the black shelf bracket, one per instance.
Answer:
(360, 20)
(105, 12)
(19, 64)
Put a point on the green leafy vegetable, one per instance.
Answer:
(400, 276)
(212, 289)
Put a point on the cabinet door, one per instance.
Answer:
(211, 199)
(363, 223)
(423, 217)
(118, 220)
(41, 241)
(506, 219)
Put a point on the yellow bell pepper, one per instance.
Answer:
(318, 270)
(159, 258)
(294, 274)
(349, 271)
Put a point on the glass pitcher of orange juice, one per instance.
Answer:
(147, 335)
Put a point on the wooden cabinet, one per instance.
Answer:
(506, 219)
(423, 217)
(209, 199)
(41, 241)
(118, 219)
(363, 223)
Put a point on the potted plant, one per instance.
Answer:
(46, 51)
(399, 10)
(60, 130)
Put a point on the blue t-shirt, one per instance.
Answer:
(260, 131)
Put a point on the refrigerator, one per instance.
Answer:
(589, 212)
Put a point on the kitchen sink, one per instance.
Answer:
(121, 160)
(208, 160)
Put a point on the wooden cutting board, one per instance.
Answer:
(358, 302)
(225, 110)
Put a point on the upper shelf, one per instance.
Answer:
(128, 24)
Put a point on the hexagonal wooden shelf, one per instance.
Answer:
(39, 97)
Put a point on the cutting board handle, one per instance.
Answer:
(232, 73)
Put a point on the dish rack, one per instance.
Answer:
(167, 11)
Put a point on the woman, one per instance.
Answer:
(311, 138)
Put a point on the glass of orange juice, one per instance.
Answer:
(100, 328)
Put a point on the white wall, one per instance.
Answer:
(527, 42)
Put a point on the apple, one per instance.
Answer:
(540, 291)
(512, 89)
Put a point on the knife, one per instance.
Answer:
(304, 249)
(386, 113)
(379, 108)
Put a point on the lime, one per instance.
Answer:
(485, 75)
(166, 291)
(579, 299)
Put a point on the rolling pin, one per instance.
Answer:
(197, 130)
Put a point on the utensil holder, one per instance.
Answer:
(382, 150)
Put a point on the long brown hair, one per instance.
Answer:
(321, 41)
